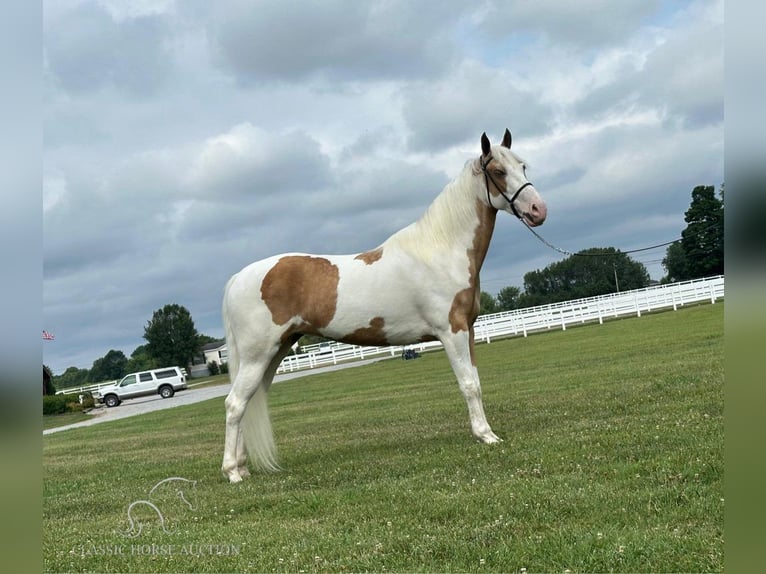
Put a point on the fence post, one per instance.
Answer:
(523, 324)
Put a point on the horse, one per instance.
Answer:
(420, 284)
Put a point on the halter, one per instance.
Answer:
(512, 200)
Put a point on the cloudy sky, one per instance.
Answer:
(186, 139)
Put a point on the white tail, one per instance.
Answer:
(257, 433)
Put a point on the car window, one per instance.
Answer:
(129, 380)
(166, 374)
(144, 377)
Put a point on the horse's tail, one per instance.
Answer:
(257, 433)
(256, 423)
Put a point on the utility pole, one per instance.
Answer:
(616, 283)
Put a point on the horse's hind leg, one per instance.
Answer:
(266, 379)
(459, 348)
(248, 379)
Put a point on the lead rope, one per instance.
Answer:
(565, 252)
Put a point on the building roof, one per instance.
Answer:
(213, 346)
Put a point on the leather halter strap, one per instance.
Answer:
(511, 200)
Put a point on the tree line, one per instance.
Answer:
(172, 339)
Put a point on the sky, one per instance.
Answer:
(184, 140)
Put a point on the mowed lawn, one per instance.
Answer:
(612, 462)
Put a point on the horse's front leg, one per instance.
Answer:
(459, 348)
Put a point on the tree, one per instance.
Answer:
(171, 338)
(205, 339)
(140, 360)
(487, 304)
(48, 388)
(702, 240)
(675, 263)
(700, 251)
(591, 272)
(508, 298)
(72, 377)
(109, 367)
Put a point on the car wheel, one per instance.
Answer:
(166, 392)
(111, 400)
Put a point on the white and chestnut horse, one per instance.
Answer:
(421, 284)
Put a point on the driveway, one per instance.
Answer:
(133, 407)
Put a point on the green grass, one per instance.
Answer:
(612, 462)
(51, 421)
(209, 381)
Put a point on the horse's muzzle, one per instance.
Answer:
(537, 213)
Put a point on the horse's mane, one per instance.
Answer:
(452, 212)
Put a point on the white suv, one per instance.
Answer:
(164, 382)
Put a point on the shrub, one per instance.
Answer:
(58, 404)
(54, 404)
(88, 402)
(224, 368)
(212, 366)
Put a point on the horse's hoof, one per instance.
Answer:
(490, 438)
(232, 475)
(244, 472)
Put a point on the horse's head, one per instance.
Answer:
(507, 186)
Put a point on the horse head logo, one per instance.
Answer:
(161, 495)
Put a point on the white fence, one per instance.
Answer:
(522, 322)
(533, 319)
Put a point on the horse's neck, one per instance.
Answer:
(456, 222)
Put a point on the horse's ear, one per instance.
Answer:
(507, 139)
(484, 144)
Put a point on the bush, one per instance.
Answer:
(212, 367)
(58, 404)
(224, 368)
(54, 404)
(88, 402)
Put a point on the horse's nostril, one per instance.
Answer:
(538, 212)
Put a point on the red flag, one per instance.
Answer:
(48, 336)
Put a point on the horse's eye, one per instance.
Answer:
(499, 173)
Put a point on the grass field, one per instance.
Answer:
(612, 462)
(52, 421)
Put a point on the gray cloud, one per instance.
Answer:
(86, 49)
(334, 40)
(473, 99)
(586, 24)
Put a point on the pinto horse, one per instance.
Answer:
(421, 284)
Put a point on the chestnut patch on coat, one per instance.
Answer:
(301, 286)
(370, 257)
(373, 335)
(466, 303)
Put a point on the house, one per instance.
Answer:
(216, 352)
